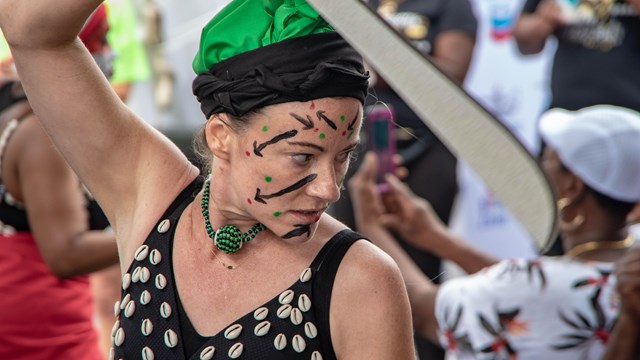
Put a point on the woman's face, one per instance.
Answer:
(291, 161)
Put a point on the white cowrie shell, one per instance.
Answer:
(147, 327)
(164, 226)
(165, 310)
(119, 338)
(207, 353)
(170, 338)
(135, 276)
(286, 297)
(130, 309)
(145, 297)
(280, 342)
(262, 329)
(236, 350)
(141, 253)
(116, 308)
(296, 316)
(304, 303)
(261, 313)
(284, 311)
(305, 275)
(155, 257)
(126, 281)
(310, 330)
(316, 356)
(144, 275)
(298, 343)
(147, 353)
(161, 281)
(116, 326)
(125, 301)
(233, 332)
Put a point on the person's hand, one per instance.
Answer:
(551, 15)
(363, 190)
(411, 216)
(628, 275)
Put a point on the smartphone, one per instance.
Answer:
(380, 138)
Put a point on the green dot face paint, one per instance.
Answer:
(342, 118)
(268, 179)
(265, 128)
(322, 136)
(277, 213)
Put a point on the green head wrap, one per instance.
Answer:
(245, 25)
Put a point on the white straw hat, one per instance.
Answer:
(600, 144)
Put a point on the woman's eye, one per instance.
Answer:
(302, 158)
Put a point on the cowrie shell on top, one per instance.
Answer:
(233, 331)
(306, 275)
(170, 338)
(207, 353)
(147, 354)
(164, 226)
(236, 350)
(155, 257)
(141, 253)
(286, 297)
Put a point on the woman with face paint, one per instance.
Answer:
(51, 231)
(240, 261)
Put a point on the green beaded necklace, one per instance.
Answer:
(228, 238)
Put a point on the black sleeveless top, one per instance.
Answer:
(152, 324)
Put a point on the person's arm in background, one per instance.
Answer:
(453, 45)
(538, 21)
(624, 342)
(413, 218)
(368, 208)
(56, 207)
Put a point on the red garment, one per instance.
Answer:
(41, 315)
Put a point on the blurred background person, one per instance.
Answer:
(52, 233)
(550, 307)
(597, 55)
(445, 30)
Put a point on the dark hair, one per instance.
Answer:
(200, 147)
(618, 208)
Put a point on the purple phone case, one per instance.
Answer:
(381, 137)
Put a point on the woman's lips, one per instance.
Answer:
(307, 216)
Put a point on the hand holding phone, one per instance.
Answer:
(380, 138)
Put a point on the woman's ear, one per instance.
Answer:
(218, 135)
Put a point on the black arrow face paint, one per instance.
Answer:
(300, 229)
(257, 149)
(322, 116)
(308, 123)
(350, 127)
(261, 198)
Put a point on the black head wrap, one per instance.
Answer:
(298, 69)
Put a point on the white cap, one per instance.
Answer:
(600, 144)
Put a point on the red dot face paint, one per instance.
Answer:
(247, 153)
(249, 201)
(344, 133)
(316, 130)
(313, 106)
